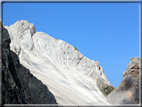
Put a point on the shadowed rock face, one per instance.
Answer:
(128, 90)
(19, 86)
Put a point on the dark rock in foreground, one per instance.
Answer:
(19, 86)
(128, 90)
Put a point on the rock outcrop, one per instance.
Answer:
(19, 86)
(128, 90)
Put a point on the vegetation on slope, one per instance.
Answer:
(104, 88)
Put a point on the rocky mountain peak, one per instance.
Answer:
(57, 51)
(56, 61)
(134, 65)
(21, 36)
(23, 26)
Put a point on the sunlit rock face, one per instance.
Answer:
(69, 75)
(128, 90)
(19, 86)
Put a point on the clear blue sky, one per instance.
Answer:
(107, 32)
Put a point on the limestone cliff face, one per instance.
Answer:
(58, 62)
(25, 38)
(128, 90)
(19, 86)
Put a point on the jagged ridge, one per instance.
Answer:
(24, 37)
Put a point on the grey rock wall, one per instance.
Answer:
(12, 90)
(0, 63)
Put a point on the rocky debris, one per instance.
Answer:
(128, 90)
(19, 86)
(25, 38)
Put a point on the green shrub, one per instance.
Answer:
(75, 48)
(103, 87)
(107, 90)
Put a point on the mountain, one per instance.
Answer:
(71, 77)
